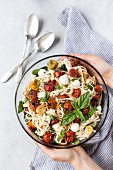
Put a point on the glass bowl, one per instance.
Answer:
(26, 79)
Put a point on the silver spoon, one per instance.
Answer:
(30, 31)
(42, 44)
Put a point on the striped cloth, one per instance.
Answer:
(79, 38)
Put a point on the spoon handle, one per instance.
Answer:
(6, 76)
(19, 71)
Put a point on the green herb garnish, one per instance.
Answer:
(61, 135)
(58, 87)
(88, 86)
(63, 67)
(76, 141)
(20, 107)
(74, 79)
(51, 117)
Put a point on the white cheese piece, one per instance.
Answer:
(26, 104)
(64, 79)
(75, 127)
(75, 84)
(99, 108)
(57, 127)
(41, 94)
(41, 72)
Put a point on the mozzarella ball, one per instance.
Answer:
(75, 84)
(74, 127)
(41, 94)
(41, 72)
(64, 79)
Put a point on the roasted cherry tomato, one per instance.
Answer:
(62, 96)
(49, 87)
(52, 102)
(32, 95)
(68, 106)
(76, 93)
(32, 107)
(76, 120)
(47, 137)
(58, 74)
(74, 62)
(95, 100)
(70, 136)
(97, 88)
(85, 111)
(73, 73)
(55, 120)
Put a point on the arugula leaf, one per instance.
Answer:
(92, 111)
(73, 104)
(79, 114)
(84, 100)
(35, 72)
(76, 141)
(44, 99)
(63, 67)
(20, 107)
(58, 87)
(88, 86)
(61, 135)
(51, 117)
(67, 118)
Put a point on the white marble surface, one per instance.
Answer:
(16, 148)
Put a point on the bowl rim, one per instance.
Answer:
(62, 146)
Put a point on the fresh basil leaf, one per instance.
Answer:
(58, 87)
(35, 72)
(20, 107)
(76, 141)
(63, 67)
(88, 86)
(92, 111)
(68, 117)
(61, 135)
(84, 100)
(51, 117)
(79, 114)
(73, 103)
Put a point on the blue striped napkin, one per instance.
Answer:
(79, 38)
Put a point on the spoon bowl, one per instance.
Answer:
(44, 42)
(31, 26)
